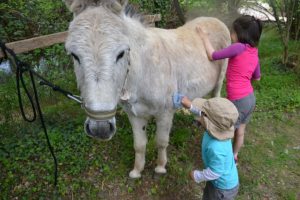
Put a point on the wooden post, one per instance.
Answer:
(56, 38)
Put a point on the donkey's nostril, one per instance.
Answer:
(112, 127)
(87, 129)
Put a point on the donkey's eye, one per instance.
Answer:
(121, 54)
(75, 57)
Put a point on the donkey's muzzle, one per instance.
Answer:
(103, 130)
(100, 123)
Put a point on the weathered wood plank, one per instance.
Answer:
(153, 18)
(56, 38)
(36, 43)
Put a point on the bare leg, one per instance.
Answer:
(140, 142)
(163, 126)
(238, 139)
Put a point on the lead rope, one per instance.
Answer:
(21, 68)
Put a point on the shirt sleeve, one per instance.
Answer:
(256, 74)
(229, 52)
(205, 175)
(195, 111)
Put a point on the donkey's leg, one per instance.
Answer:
(223, 68)
(140, 141)
(163, 126)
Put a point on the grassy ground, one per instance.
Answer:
(269, 165)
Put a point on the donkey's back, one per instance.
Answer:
(181, 53)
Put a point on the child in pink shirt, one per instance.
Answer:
(243, 67)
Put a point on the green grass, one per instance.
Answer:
(269, 165)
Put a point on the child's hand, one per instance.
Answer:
(200, 32)
(177, 98)
(186, 102)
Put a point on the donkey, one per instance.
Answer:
(120, 60)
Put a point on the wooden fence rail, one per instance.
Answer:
(23, 46)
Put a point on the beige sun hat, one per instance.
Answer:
(219, 116)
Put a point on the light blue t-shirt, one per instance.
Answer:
(218, 156)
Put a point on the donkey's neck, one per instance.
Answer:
(151, 71)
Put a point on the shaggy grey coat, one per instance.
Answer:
(120, 60)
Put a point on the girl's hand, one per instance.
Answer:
(200, 32)
(208, 46)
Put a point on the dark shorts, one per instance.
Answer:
(245, 106)
(212, 193)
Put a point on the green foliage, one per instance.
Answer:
(201, 4)
(8, 100)
(21, 19)
(155, 7)
(279, 88)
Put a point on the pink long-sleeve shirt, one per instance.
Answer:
(243, 66)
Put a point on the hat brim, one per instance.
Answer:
(198, 103)
(216, 132)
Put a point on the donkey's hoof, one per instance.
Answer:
(158, 176)
(134, 174)
(160, 170)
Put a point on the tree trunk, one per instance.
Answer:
(287, 9)
(285, 53)
(233, 6)
(179, 11)
(295, 29)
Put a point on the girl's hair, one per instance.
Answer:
(248, 29)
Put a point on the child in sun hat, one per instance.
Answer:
(218, 116)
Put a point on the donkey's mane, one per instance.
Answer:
(132, 12)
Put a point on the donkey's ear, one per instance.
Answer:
(77, 6)
(123, 3)
(118, 6)
(68, 3)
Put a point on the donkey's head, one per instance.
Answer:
(100, 48)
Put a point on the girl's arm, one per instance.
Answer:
(228, 52)
(256, 74)
(208, 46)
